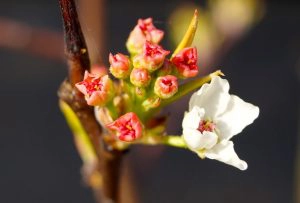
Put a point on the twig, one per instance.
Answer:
(78, 60)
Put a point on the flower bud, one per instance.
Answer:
(151, 103)
(97, 89)
(119, 65)
(166, 86)
(140, 77)
(144, 30)
(166, 68)
(140, 92)
(151, 58)
(128, 127)
(186, 62)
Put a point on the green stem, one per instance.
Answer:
(182, 91)
(188, 87)
(169, 140)
(112, 110)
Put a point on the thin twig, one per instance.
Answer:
(78, 60)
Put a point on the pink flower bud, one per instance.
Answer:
(166, 86)
(186, 62)
(97, 89)
(119, 65)
(151, 58)
(128, 127)
(144, 30)
(166, 68)
(140, 77)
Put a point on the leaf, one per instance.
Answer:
(82, 140)
(188, 38)
(190, 86)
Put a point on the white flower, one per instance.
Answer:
(214, 117)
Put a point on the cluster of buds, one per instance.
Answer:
(148, 79)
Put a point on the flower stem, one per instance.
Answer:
(190, 86)
(169, 140)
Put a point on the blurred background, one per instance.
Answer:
(256, 44)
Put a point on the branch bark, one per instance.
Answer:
(78, 60)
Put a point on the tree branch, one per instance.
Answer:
(109, 162)
(75, 46)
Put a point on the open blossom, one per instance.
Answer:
(140, 77)
(151, 58)
(214, 117)
(97, 89)
(144, 30)
(186, 62)
(128, 127)
(119, 65)
(166, 86)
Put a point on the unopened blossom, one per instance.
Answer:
(140, 77)
(185, 62)
(144, 30)
(151, 58)
(166, 68)
(214, 117)
(166, 86)
(128, 127)
(119, 65)
(97, 89)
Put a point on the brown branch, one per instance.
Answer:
(78, 59)
(75, 46)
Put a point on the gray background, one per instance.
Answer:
(39, 164)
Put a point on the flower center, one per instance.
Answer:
(167, 82)
(127, 130)
(94, 85)
(152, 50)
(206, 126)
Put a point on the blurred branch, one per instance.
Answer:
(38, 41)
(92, 14)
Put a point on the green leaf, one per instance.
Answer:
(190, 86)
(188, 38)
(82, 140)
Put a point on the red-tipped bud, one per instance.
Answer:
(140, 77)
(119, 65)
(166, 68)
(151, 58)
(97, 89)
(151, 103)
(186, 62)
(166, 86)
(144, 30)
(128, 127)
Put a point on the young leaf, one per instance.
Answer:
(188, 38)
(82, 140)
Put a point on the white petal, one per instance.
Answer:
(224, 152)
(192, 119)
(209, 139)
(236, 117)
(195, 140)
(212, 97)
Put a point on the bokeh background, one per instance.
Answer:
(260, 57)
